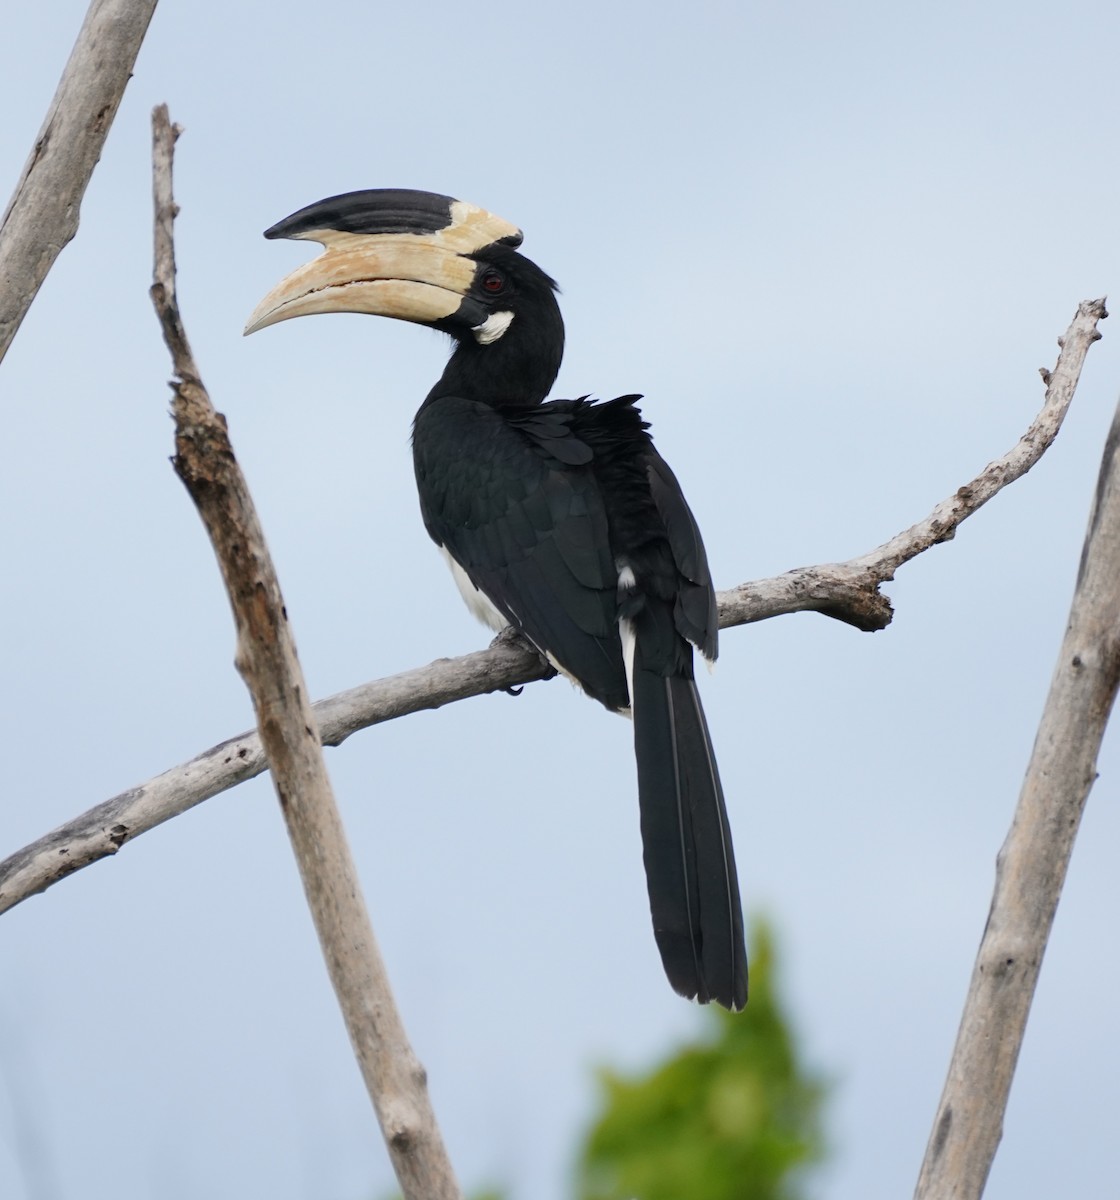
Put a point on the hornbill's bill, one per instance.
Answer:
(559, 518)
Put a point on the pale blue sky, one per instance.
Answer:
(831, 244)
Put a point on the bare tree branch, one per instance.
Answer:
(43, 214)
(848, 591)
(1032, 865)
(105, 828)
(266, 659)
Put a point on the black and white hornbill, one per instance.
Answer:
(557, 517)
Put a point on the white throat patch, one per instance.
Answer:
(492, 328)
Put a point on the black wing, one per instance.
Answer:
(695, 614)
(513, 498)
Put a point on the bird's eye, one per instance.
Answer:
(493, 282)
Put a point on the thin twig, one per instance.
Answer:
(266, 659)
(1033, 862)
(42, 216)
(849, 591)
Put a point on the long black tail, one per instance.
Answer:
(686, 840)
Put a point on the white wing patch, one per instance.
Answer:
(626, 581)
(478, 602)
(626, 632)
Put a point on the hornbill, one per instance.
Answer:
(557, 517)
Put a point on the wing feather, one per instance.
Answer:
(516, 504)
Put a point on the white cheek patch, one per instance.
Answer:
(479, 604)
(492, 328)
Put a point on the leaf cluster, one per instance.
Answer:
(731, 1116)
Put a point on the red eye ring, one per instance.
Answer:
(493, 282)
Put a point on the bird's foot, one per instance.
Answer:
(515, 639)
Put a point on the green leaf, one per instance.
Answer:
(732, 1116)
